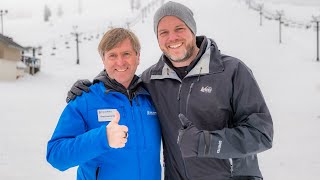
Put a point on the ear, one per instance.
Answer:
(104, 62)
(102, 57)
(138, 58)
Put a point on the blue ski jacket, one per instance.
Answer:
(80, 136)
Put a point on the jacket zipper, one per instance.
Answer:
(190, 90)
(130, 98)
(97, 172)
(231, 166)
(178, 99)
(138, 155)
(187, 104)
(179, 92)
(188, 97)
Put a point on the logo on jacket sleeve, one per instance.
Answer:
(206, 89)
(151, 113)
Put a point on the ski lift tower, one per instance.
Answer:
(76, 34)
(316, 20)
(279, 17)
(2, 13)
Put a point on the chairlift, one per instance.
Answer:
(53, 54)
(68, 47)
(268, 18)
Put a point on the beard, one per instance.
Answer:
(184, 57)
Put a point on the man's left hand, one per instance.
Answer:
(188, 138)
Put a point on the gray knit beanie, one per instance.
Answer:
(178, 10)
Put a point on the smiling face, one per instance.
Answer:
(177, 41)
(121, 62)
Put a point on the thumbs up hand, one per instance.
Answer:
(116, 134)
(188, 138)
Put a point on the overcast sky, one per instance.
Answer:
(298, 2)
(31, 8)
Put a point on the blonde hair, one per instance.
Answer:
(115, 36)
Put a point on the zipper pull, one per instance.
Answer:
(178, 98)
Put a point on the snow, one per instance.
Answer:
(287, 73)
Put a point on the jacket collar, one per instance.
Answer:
(112, 85)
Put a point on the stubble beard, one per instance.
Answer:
(189, 52)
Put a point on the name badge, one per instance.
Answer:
(106, 114)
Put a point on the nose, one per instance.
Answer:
(120, 61)
(173, 36)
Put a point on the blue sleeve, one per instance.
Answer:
(71, 143)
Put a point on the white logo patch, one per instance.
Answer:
(151, 113)
(219, 146)
(106, 114)
(206, 89)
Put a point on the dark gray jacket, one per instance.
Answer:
(220, 95)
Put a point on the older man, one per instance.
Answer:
(93, 130)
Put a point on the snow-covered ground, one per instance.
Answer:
(287, 73)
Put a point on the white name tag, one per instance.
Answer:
(106, 114)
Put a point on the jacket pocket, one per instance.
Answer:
(207, 168)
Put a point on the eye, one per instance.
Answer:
(127, 54)
(163, 33)
(112, 56)
(180, 29)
